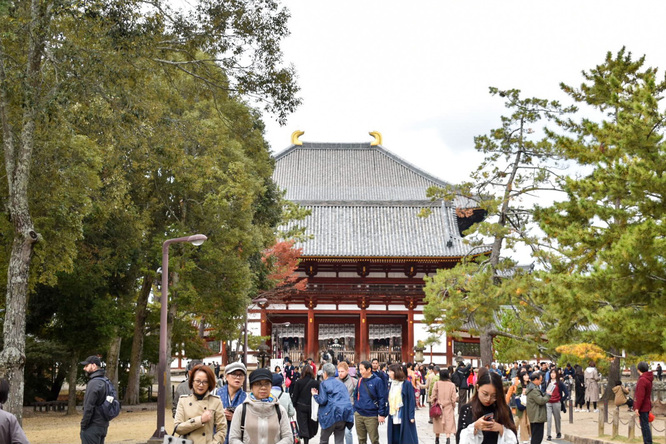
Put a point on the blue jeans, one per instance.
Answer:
(349, 438)
(645, 427)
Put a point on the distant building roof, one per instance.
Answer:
(365, 201)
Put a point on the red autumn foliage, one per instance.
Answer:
(282, 261)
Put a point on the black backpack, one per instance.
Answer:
(455, 378)
(110, 408)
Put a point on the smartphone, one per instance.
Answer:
(489, 417)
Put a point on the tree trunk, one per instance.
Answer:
(59, 379)
(613, 376)
(18, 158)
(486, 346)
(112, 361)
(133, 390)
(71, 381)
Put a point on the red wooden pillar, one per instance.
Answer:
(310, 341)
(363, 337)
(225, 358)
(410, 335)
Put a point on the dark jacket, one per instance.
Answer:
(334, 403)
(94, 397)
(408, 433)
(301, 397)
(643, 398)
(383, 376)
(462, 375)
(370, 397)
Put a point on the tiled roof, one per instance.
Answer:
(365, 203)
(381, 231)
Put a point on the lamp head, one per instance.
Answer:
(197, 239)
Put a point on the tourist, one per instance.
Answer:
(302, 400)
(370, 407)
(592, 378)
(349, 382)
(296, 376)
(277, 369)
(288, 372)
(643, 400)
(416, 383)
(518, 391)
(558, 393)
(336, 413)
(232, 394)
(422, 386)
(377, 371)
(444, 393)
(93, 425)
(278, 392)
(621, 397)
(433, 376)
(200, 415)
(659, 371)
(536, 406)
(261, 418)
(402, 404)
(486, 418)
(459, 378)
(579, 382)
(10, 429)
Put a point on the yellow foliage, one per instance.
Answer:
(585, 351)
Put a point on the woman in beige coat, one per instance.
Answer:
(201, 413)
(592, 378)
(444, 394)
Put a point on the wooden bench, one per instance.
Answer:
(59, 406)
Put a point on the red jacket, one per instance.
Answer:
(643, 398)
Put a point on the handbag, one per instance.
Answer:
(650, 417)
(435, 410)
(294, 430)
(170, 439)
(287, 382)
(521, 402)
(314, 412)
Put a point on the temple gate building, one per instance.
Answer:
(367, 257)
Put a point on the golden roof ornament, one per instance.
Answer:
(378, 138)
(294, 137)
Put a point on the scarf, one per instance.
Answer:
(270, 398)
(395, 397)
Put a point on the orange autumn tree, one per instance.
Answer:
(282, 262)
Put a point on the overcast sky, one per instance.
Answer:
(419, 72)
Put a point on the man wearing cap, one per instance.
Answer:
(232, 394)
(93, 425)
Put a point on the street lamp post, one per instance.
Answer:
(196, 239)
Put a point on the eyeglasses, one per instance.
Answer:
(492, 397)
(236, 375)
(197, 382)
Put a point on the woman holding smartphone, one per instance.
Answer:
(486, 419)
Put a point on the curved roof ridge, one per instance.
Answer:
(362, 145)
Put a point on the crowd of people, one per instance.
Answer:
(338, 398)
(299, 400)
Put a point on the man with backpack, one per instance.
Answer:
(99, 403)
(459, 378)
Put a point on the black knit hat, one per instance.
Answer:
(261, 374)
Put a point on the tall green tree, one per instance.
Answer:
(607, 282)
(57, 56)
(517, 166)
